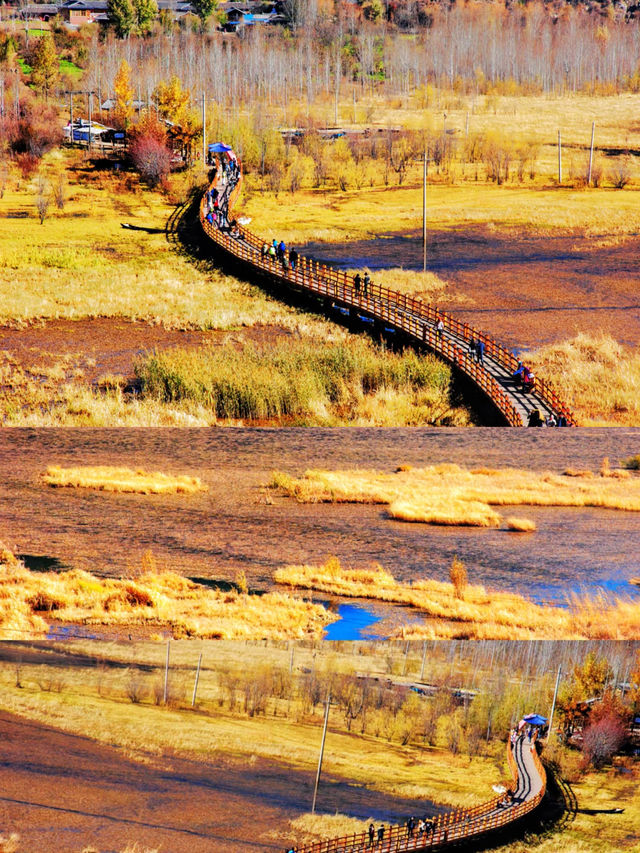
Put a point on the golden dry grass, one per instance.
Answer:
(10, 843)
(106, 478)
(473, 612)
(314, 827)
(82, 263)
(30, 601)
(597, 377)
(451, 494)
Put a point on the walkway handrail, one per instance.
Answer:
(408, 314)
(449, 827)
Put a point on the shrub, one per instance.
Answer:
(151, 158)
(602, 739)
(458, 575)
(35, 131)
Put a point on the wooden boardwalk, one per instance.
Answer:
(390, 312)
(458, 826)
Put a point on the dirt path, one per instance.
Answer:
(62, 792)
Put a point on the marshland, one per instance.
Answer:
(234, 534)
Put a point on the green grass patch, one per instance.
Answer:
(24, 66)
(68, 67)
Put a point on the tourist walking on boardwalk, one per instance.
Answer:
(293, 257)
(366, 282)
(480, 351)
(371, 834)
(440, 328)
(356, 284)
(380, 834)
(472, 349)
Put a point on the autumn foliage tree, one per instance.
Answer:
(173, 105)
(606, 732)
(45, 65)
(148, 149)
(123, 91)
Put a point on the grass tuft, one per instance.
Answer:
(109, 479)
(520, 525)
(452, 495)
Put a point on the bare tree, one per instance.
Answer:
(43, 198)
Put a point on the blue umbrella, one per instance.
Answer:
(536, 720)
(219, 147)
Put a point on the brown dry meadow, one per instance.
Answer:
(460, 610)
(449, 494)
(107, 478)
(154, 599)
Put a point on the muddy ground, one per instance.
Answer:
(524, 289)
(238, 525)
(63, 792)
(103, 347)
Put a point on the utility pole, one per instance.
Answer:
(204, 131)
(195, 684)
(593, 133)
(424, 211)
(559, 158)
(553, 704)
(90, 107)
(324, 737)
(424, 657)
(166, 674)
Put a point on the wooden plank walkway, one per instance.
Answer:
(459, 825)
(390, 310)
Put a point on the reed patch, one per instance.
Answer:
(452, 495)
(470, 611)
(350, 381)
(157, 599)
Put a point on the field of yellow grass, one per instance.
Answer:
(452, 495)
(159, 600)
(364, 214)
(598, 378)
(82, 263)
(110, 479)
(459, 199)
(472, 612)
(145, 731)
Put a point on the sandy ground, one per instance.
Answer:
(62, 792)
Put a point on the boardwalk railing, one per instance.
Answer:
(395, 310)
(449, 828)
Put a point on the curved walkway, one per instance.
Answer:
(388, 309)
(454, 827)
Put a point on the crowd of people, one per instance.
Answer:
(277, 251)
